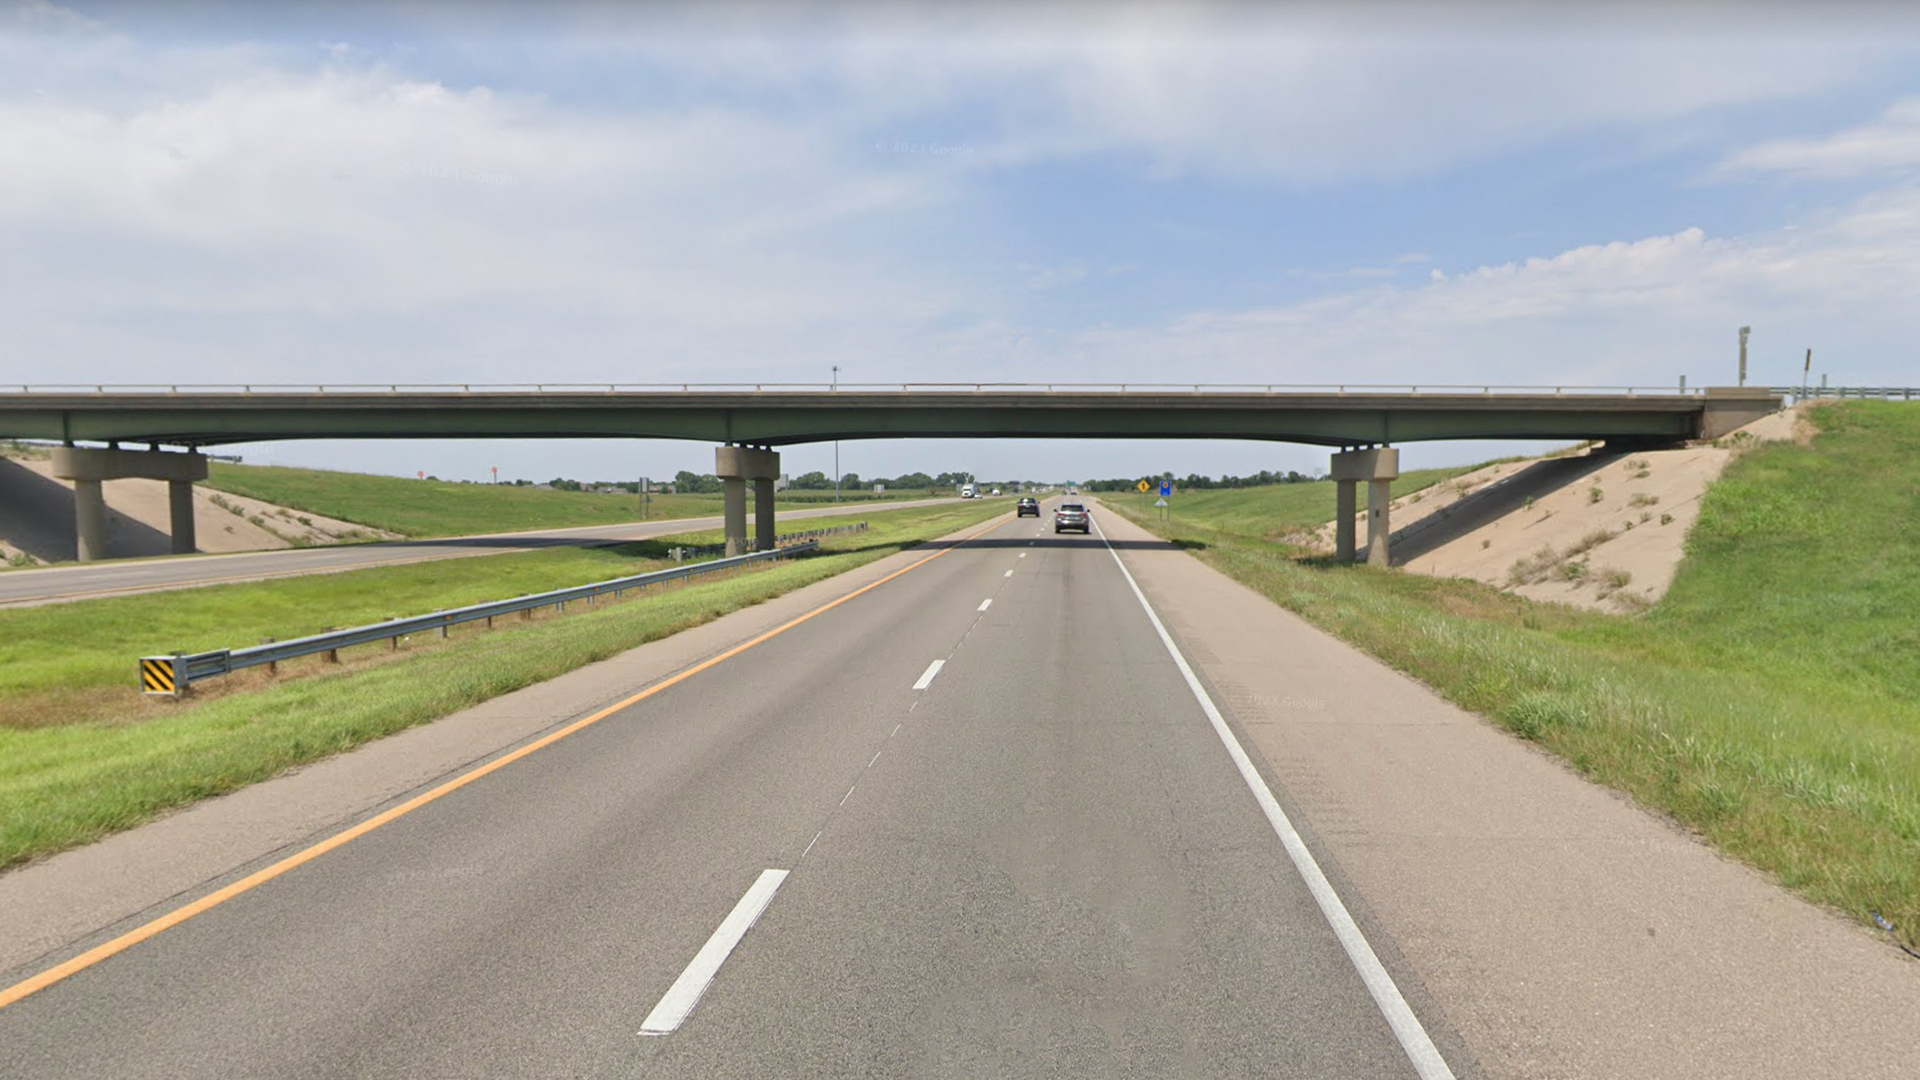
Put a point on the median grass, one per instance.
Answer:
(119, 759)
(1771, 701)
(1272, 512)
(425, 508)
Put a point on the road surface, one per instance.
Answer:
(56, 584)
(972, 821)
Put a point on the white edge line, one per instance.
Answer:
(685, 992)
(1393, 1006)
(987, 603)
(926, 677)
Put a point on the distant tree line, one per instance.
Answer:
(1196, 482)
(688, 482)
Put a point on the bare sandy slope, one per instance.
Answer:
(36, 518)
(1593, 529)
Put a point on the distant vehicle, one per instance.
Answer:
(995, 491)
(1027, 506)
(968, 491)
(1072, 516)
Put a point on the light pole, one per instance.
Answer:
(836, 443)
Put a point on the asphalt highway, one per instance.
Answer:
(974, 821)
(56, 584)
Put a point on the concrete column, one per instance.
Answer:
(1379, 496)
(735, 465)
(1378, 468)
(764, 538)
(88, 467)
(1344, 511)
(736, 514)
(180, 503)
(90, 520)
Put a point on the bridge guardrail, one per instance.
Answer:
(172, 675)
(1883, 393)
(483, 389)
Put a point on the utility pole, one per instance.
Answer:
(836, 443)
(1744, 331)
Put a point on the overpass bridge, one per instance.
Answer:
(749, 421)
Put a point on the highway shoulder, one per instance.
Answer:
(1557, 928)
(63, 905)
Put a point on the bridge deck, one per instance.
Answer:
(781, 416)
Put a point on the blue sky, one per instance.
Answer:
(1290, 193)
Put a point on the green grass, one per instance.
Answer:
(1270, 512)
(437, 508)
(1771, 702)
(64, 784)
(66, 663)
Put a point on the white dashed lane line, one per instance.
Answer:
(926, 677)
(685, 992)
(987, 603)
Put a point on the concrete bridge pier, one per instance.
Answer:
(735, 465)
(88, 468)
(1378, 468)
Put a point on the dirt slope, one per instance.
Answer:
(1594, 529)
(36, 518)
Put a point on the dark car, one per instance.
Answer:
(1026, 507)
(1072, 516)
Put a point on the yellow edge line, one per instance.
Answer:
(252, 881)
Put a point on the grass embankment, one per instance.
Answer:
(1272, 513)
(1771, 701)
(438, 508)
(111, 768)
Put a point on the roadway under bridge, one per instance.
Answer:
(749, 421)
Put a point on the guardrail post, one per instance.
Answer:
(273, 666)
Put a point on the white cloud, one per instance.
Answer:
(1889, 144)
(1626, 313)
(369, 222)
(225, 213)
(1303, 95)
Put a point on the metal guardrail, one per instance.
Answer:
(1884, 393)
(753, 542)
(482, 389)
(171, 675)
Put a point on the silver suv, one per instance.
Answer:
(1072, 516)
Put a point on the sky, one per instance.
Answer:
(1283, 193)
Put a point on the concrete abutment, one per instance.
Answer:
(88, 468)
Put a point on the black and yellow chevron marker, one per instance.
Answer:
(156, 675)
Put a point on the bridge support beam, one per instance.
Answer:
(88, 468)
(735, 465)
(1344, 510)
(1378, 468)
